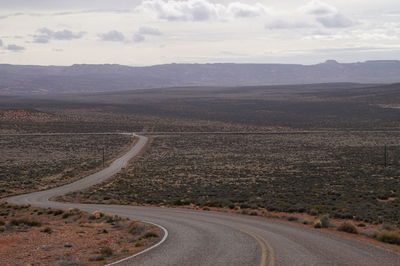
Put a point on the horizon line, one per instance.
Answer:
(329, 61)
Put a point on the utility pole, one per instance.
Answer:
(386, 157)
(104, 156)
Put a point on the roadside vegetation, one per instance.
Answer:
(340, 174)
(56, 237)
(30, 163)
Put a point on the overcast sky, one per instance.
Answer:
(148, 32)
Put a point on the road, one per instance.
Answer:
(211, 239)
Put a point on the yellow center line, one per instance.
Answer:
(266, 250)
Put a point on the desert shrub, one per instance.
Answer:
(2, 229)
(217, 203)
(99, 258)
(387, 227)
(113, 218)
(47, 230)
(317, 224)
(292, 218)
(66, 215)
(106, 251)
(324, 221)
(139, 244)
(2, 223)
(150, 234)
(180, 202)
(98, 215)
(135, 228)
(244, 206)
(74, 211)
(17, 222)
(388, 237)
(58, 212)
(348, 227)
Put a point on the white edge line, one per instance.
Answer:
(147, 249)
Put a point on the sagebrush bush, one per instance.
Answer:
(106, 251)
(317, 224)
(387, 227)
(150, 234)
(135, 228)
(18, 222)
(388, 237)
(324, 221)
(348, 227)
(58, 212)
(47, 230)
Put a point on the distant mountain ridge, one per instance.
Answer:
(19, 79)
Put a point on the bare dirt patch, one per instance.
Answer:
(34, 236)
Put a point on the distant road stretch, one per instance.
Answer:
(211, 238)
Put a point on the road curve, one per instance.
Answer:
(210, 238)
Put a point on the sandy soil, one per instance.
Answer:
(79, 239)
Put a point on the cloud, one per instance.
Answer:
(199, 10)
(65, 13)
(41, 39)
(194, 10)
(113, 36)
(326, 15)
(45, 35)
(14, 48)
(149, 31)
(137, 37)
(335, 21)
(318, 8)
(140, 35)
(240, 10)
(314, 14)
(281, 24)
(62, 35)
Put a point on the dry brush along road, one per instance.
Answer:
(210, 238)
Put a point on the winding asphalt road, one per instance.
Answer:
(211, 239)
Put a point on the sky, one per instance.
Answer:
(150, 32)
